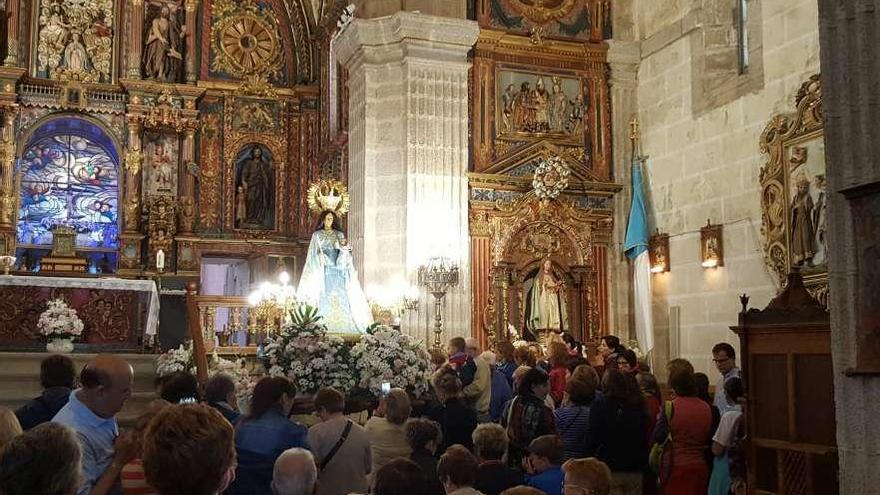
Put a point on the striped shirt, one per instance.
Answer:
(133, 480)
(573, 424)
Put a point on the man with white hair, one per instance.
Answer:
(295, 473)
(479, 392)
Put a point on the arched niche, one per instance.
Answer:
(68, 173)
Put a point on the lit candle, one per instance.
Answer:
(160, 260)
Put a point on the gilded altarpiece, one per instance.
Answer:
(539, 90)
(514, 232)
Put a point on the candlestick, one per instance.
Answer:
(160, 260)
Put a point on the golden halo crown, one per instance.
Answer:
(328, 194)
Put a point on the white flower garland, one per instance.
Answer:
(550, 178)
(182, 359)
(60, 320)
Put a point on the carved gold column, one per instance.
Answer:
(133, 165)
(137, 36)
(12, 34)
(191, 19)
(7, 177)
(187, 183)
(131, 238)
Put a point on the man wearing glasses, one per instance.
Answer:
(724, 358)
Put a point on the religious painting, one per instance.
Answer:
(545, 300)
(164, 45)
(793, 189)
(161, 152)
(254, 188)
(69, 177)
(539, 105)
(75, 40)
(257, 116)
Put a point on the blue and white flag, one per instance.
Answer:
(636, 249)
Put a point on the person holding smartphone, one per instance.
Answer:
(386, 429)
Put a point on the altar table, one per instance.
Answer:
(116, 313)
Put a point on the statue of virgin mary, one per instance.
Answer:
(546, 308)
(329, 280)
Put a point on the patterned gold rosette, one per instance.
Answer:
(328, 194)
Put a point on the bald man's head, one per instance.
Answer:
(106, 382)
(295, 473)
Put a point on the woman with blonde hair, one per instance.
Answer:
(9, 427)
(386, 429)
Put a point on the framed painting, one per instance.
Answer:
(161, 156)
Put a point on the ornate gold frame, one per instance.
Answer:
(781, 141)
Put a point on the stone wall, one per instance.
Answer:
(704, 159)
(849, 79)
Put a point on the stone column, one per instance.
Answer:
(187, 183)
(192, 8)
(623, 59)
(13, 8)
(408, 153)
(137, 35)
(849, 53)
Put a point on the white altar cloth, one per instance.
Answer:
(94, 283)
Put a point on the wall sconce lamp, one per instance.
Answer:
(659, 252)
(711, 245)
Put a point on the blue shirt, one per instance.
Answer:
(501, 393)
(573, 425)
(549, 482)
(507, 368)
(258, 443)
(96, 436)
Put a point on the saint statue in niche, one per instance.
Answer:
(163, 56)
(802, 231)
(329, 280)
(545, 306)
(255, 185)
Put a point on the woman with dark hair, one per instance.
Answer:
(575, 348)
(702, 381)
(683, 469)
(180, 387)
(725, 442)
(266, 432)
(608, 351)
(526, 417)
(329, 280)
(573, 418)
(617, 432)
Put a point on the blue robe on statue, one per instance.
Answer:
(329, 282)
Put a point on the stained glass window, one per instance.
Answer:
(69, 176)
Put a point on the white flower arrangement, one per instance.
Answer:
(305, 353)
(550, 178)
(182, 359)
(385, 355)
(60, 321)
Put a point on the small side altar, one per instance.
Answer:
(118, 314)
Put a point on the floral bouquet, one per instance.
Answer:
(174, 360)
(307, 355)
(387, 355)
(60, 321)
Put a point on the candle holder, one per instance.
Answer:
(438, 275)
(7, 262)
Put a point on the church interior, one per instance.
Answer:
(184, 174)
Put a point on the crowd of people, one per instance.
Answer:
(518, 421)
